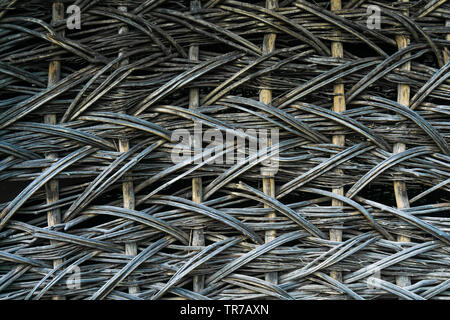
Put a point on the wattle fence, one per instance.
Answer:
(222, 149)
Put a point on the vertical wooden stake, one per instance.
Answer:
(127, 185)
(401, 193)
(52, 187)
(198, 238)
(337, 51)
(446, 51)
(268, 179)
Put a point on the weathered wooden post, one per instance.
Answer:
(268, 179)
(127, 184)
(198, 238)
(339, 105)
(52, 187)
(401, 193)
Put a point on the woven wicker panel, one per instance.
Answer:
(134, 163)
